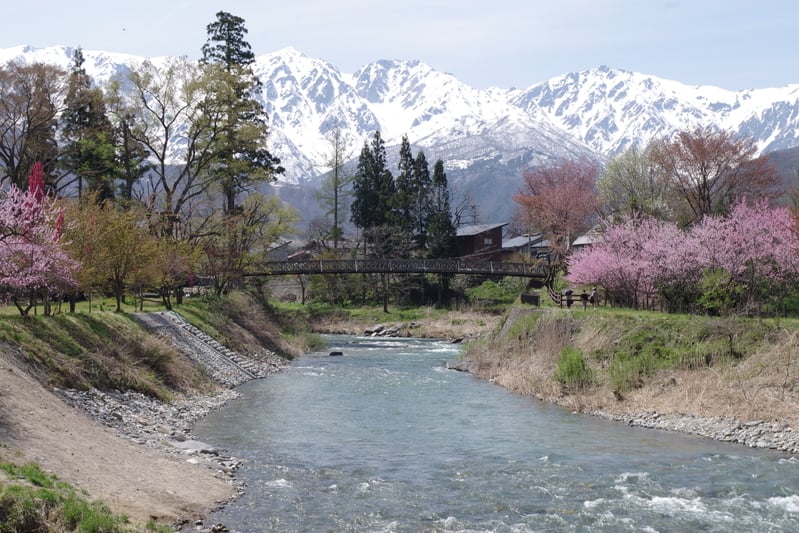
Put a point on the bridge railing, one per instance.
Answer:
(397, 266)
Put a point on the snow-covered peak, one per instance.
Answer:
(612, 109)
(485, 137)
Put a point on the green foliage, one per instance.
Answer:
(226, 43)
(240, 241)
(32, 500)
(309, 342)
(631, 187)
(441, 238)
(505, 292)
(523, 326)
(90, 151)
(719, 294)
(572, 370)
(373, 186)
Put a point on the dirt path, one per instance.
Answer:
(36, 425)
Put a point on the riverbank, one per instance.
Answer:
(135, 475)
(108, 406)
(752, 402)
(731, 382)
(137, 453)
(456, 326)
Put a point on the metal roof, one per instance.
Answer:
(477, 229)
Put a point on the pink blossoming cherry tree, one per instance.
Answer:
(32, 262)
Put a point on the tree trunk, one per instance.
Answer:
(384, 281)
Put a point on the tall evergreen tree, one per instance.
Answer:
(441, 235)
(422, 206)
(90, 145)
(412, 199)
(226, 43)
(373, 187)
(242, 158)
(404, 198)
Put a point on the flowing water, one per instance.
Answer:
(384, 438)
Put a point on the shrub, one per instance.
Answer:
(571, 369)
(489, 292)
(719, 294)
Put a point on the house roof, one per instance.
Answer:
(591, 237)
(523, 241)
(515, 242)
(477, 229)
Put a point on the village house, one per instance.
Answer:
(481, 242)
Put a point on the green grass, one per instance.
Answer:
(94, 305)
(33, 500)
(572, 370)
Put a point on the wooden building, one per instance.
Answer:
(481, 241)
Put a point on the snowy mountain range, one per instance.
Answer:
(485, 137)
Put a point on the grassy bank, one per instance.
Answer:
(623, 361)
(97, 348)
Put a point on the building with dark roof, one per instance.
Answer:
(480, 241)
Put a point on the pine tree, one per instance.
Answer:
(422, 206)
(226, 44)
(90, 144)
(441, 241)
(373, 187)
(404, 198)
(242, 158)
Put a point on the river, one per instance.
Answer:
(385, 439)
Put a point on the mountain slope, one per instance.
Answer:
(611, 110)
(486, 138)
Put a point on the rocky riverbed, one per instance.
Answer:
(149, 422)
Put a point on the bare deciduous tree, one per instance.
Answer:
(709, 170)
(30, 96)
(561, 201)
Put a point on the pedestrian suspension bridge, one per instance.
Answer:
(538, 270)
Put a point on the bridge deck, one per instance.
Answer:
(397, 266)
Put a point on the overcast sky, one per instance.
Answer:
(733, 44)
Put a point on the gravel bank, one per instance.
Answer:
(754, 433)
(153, 424)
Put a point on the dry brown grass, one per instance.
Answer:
(762, 386)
